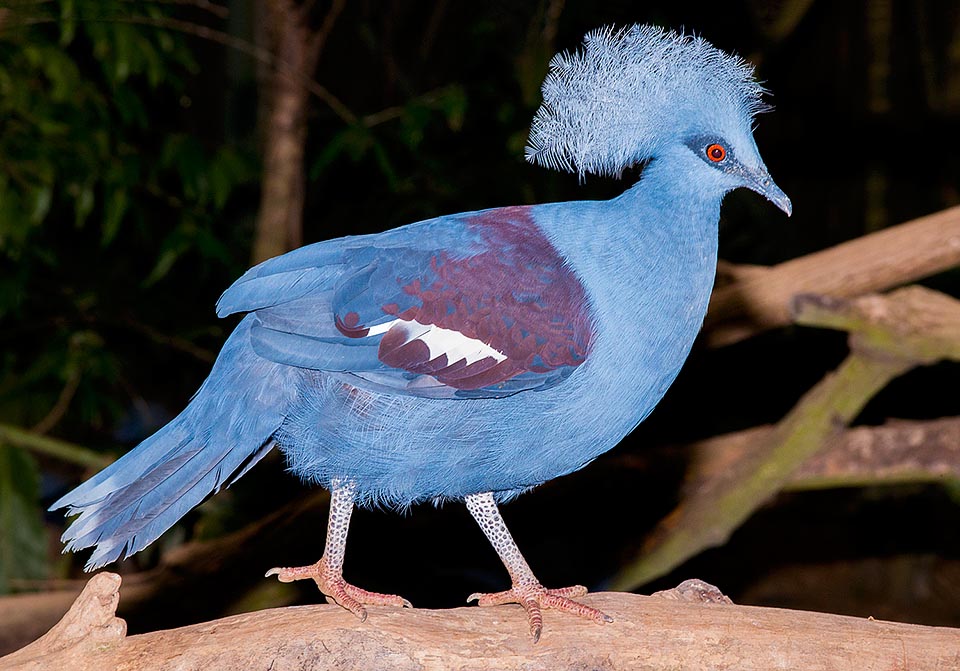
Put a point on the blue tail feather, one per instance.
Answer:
(227, 427)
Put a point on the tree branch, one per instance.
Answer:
(888, 336)
(53, 447)
(256, 52)
(895, 453)
(59, 409)
(759, 300)
(898, 452)
(665, 633)
(319, 38)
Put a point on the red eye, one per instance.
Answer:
(716, 152)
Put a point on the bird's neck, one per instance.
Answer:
(648, 260)
(671, 214)
(657, 239)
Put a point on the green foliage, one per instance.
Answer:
(366, 140)
(23, 542)
(70, 127)
(104, 190)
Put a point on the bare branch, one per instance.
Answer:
(760, 299)
(665, 633)
(396, 111)
(173, 342)
(898, 452)
(59, 409)
(319, 38)
(252, 50)
(888, 336)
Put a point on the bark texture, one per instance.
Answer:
(692, 628)
(759, 298)
(296, 46)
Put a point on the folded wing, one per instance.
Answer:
(475, 305)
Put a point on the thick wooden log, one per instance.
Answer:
(648, 633)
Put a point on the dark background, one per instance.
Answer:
(863, 136)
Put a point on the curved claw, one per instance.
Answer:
(278, 571)
(535, 598)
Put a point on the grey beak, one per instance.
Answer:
(761, 182)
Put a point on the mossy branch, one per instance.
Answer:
(52, 447)
(888, 336)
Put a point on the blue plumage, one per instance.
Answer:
(226, 428)
(477, 355)
(503, 287)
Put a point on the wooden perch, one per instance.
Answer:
(692, 628)
(759, 299)
(190, 576)
(888, 336)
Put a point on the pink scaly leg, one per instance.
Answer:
(527, 590)
(328, 572)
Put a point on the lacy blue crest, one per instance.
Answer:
(614, 102)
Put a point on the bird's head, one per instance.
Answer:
(642, 93)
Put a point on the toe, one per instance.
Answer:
(347, 602)
(534, 617)
(573, 591)
(562, 603)
(291, 573)
(375, 598)
(283, 574)
(494, 598)
(535, 599)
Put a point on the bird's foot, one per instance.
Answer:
(534, 597)
(334, 587)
